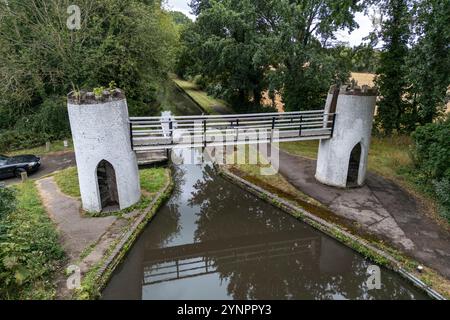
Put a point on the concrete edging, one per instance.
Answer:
(330, 229)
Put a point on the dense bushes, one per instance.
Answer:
(29, 250)
(49, 121)
(7, 205)
(432, 159)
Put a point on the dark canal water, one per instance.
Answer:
(212, 240)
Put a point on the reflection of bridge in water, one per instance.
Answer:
(199, 259)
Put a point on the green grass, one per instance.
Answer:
(67, 181)
(206, 102)
(56, 146)
(307, 149)
(387, 156)
(31, 253)
(151, 179)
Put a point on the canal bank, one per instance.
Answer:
(98, 274)
(212, 240)
(95, 243)
(370, 251)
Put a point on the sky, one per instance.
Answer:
(354, 38)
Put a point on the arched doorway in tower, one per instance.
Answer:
(107, 186)
(353, 166)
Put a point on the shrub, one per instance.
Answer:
(138, 108)
(30, 252)
(15, 140)
(7, 201)
(431, 155)
(7, 205)
(50, 121)
(432, 149)
(442, 189)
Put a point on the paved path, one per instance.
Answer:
(76, 232)
(49, 164)
(380, 207)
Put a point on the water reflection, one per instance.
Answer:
(214, 241)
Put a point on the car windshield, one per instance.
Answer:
(3, 159)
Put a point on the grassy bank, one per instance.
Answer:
(209, 104)
(30, 253)
(55, 146)
(67, 181)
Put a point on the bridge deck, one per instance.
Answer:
(156, 133)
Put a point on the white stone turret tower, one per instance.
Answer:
(107, 167)
(342, 160)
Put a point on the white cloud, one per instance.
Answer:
(179, 5)
(356, 36)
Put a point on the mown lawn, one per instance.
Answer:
(30, 252)
(67, 181)
(151, 179)
(55, 146)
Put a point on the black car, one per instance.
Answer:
(14, 166)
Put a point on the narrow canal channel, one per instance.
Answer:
(212, 240)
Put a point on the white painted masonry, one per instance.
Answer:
(354, 120)
(101, 131)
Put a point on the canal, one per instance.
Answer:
(173, 99)
(212, 240)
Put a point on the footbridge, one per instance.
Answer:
(107, 140)
(170, 132)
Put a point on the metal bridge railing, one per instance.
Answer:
(156, 133)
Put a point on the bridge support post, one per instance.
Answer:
(107, 167)
(342, 159)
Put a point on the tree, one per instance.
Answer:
(246, 47)
(391, 75)
(429, 60)
(365, 58)
(179, 18)
(303, 29)
(128, 42)
(226, 47)
(198, 6)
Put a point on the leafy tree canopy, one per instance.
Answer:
(246, 47)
